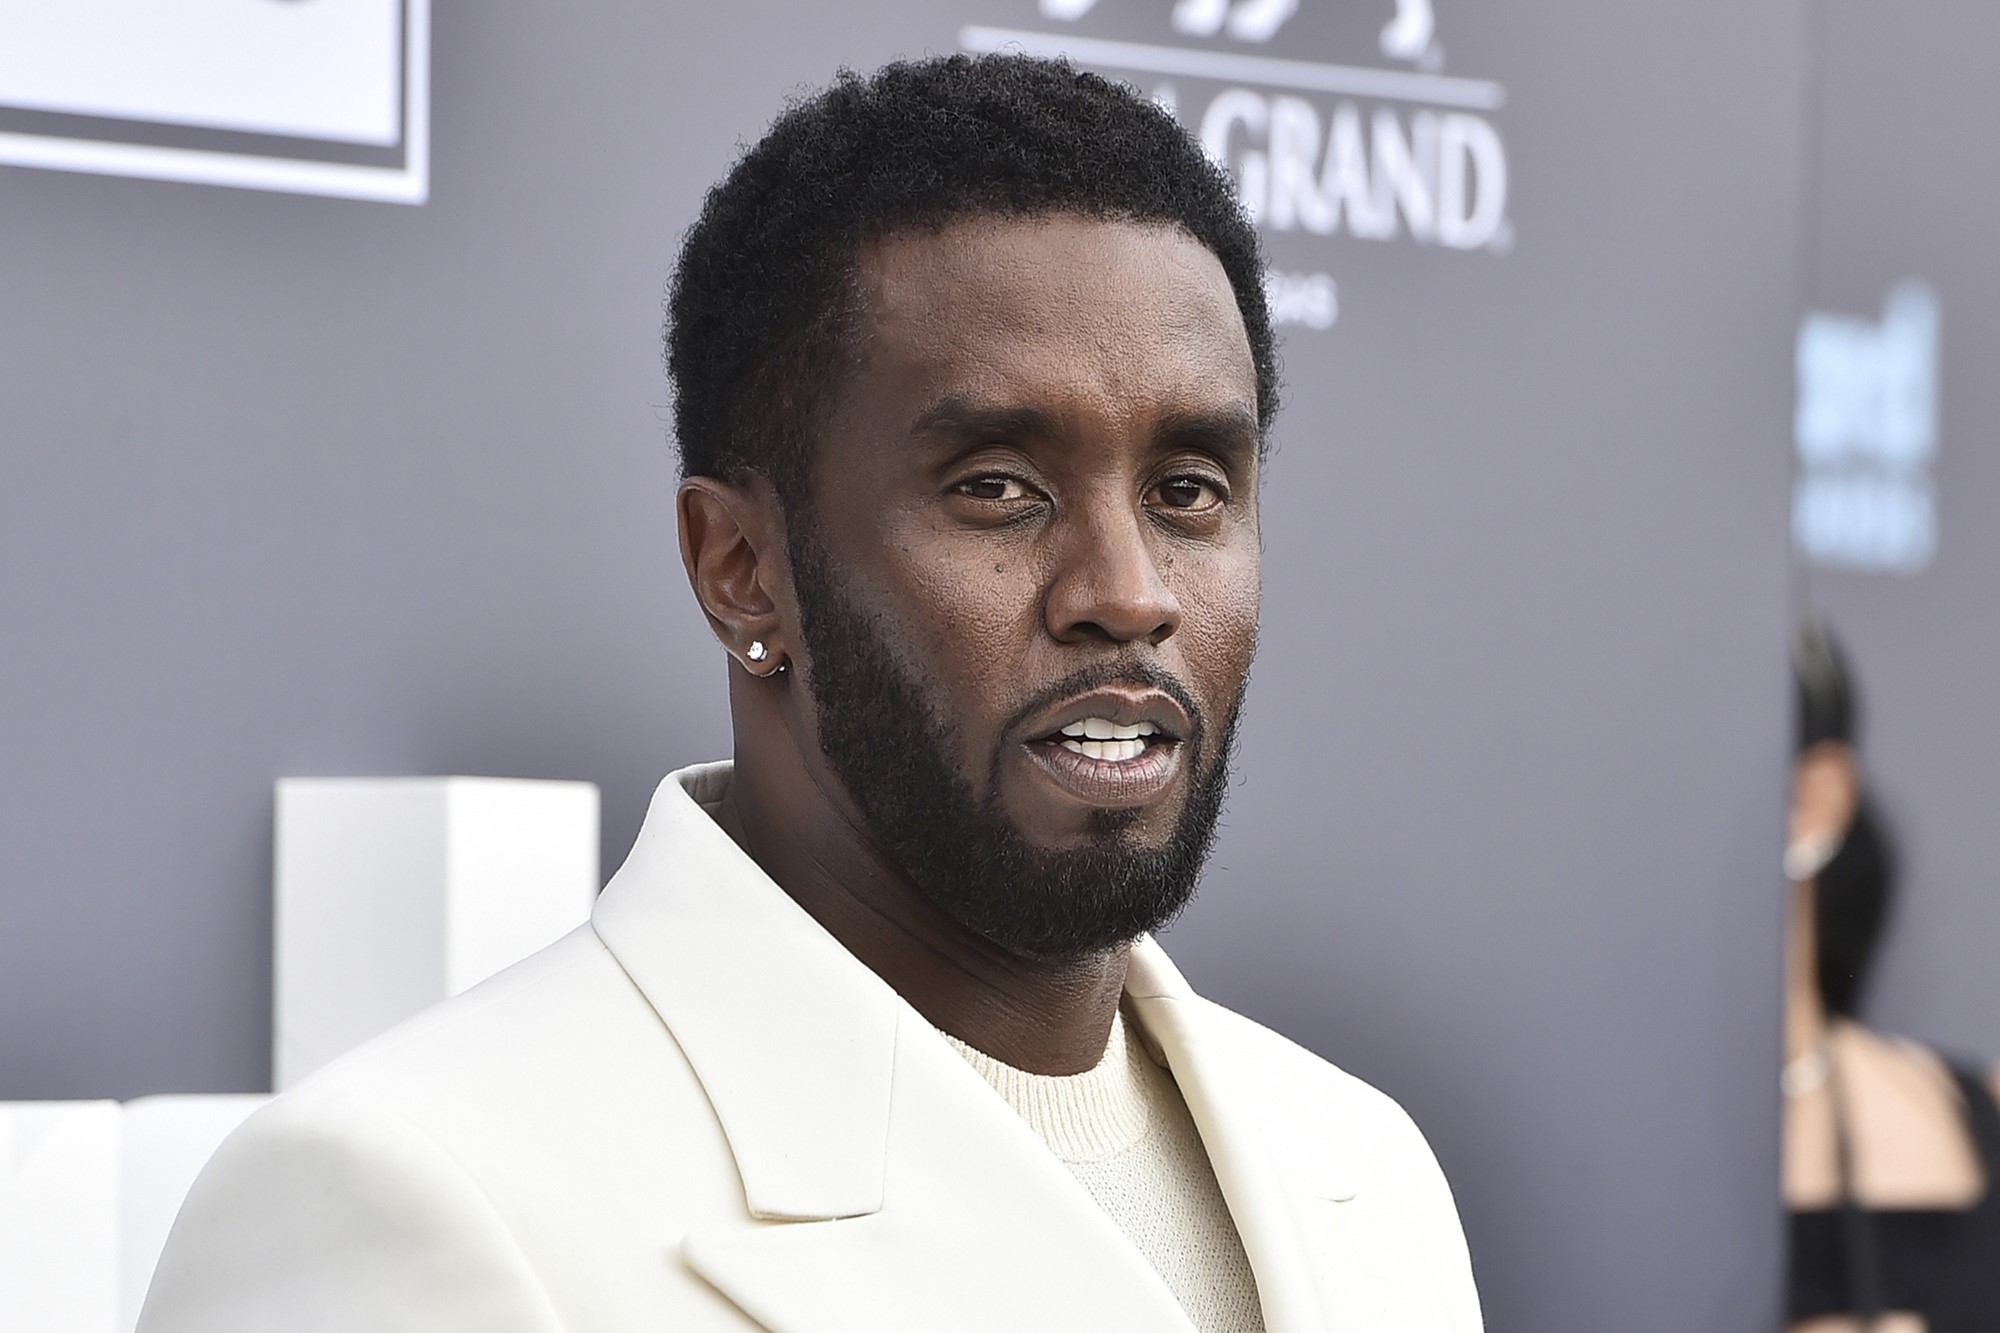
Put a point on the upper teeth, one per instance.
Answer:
(1103, 729)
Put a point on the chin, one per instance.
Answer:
(1057, 821)
(1104, 829)
(1122, 825)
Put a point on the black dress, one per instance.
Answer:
(1941, 1263)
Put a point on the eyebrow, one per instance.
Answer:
(1230, 433)
(957, 417)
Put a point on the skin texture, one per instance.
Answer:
(1047, 462)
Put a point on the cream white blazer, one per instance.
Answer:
(699, 1112)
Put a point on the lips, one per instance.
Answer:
(1111, 748)
(1120, 709)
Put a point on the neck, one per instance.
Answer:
(1805, 1016)
(798, 824)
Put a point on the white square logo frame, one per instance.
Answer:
(326, 97)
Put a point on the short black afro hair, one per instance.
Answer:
(764, 307)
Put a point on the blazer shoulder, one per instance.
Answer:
(532, 1145)
(1360, 1144)
(567, 1019)
(326, 1212)
(1296, 1074)
(575, 973)
(504, 1073)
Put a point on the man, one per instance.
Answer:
(973, 373)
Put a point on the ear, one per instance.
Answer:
(1826, 791)
(731, 537)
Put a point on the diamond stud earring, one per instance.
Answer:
(758, 652)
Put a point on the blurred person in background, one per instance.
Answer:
(1889, 1148)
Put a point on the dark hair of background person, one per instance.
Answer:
(1825, 688)
(1850, 908)
(1853, 891)
(764, 307)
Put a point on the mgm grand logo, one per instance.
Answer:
(1393, 149)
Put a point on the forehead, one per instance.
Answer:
(1111, 313)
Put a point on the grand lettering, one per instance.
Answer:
(1440, 176)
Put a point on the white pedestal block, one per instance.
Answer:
(88, 1192)
(166, 1142)
(395, 893)
(59, 1216)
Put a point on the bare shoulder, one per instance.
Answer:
(1906, 1117)
(1899, 1072)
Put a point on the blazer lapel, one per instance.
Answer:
(793, 1040)
(1272, 1177)
(886, 1186)
(981, 1229)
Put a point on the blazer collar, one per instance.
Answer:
(907, 1180)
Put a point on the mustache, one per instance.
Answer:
(1135, 675)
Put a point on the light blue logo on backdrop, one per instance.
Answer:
(1866, 430)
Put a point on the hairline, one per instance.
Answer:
(849, 308)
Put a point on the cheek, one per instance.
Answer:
(978, 618)
(1220, 624)
(967, 615)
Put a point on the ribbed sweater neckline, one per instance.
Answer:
(1084, 1117)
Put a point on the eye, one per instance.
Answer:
(1188, 493)
(993, 488)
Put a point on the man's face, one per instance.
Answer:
(1028, 574)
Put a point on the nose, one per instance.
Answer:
(1110, 586)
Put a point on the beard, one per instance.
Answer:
(894, 754)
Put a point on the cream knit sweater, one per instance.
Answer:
(1125, 1133)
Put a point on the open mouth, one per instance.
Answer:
(1116, 757)
(1112, 747)
(1111, 742)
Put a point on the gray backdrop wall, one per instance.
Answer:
(1905, 184)
(302, 486)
